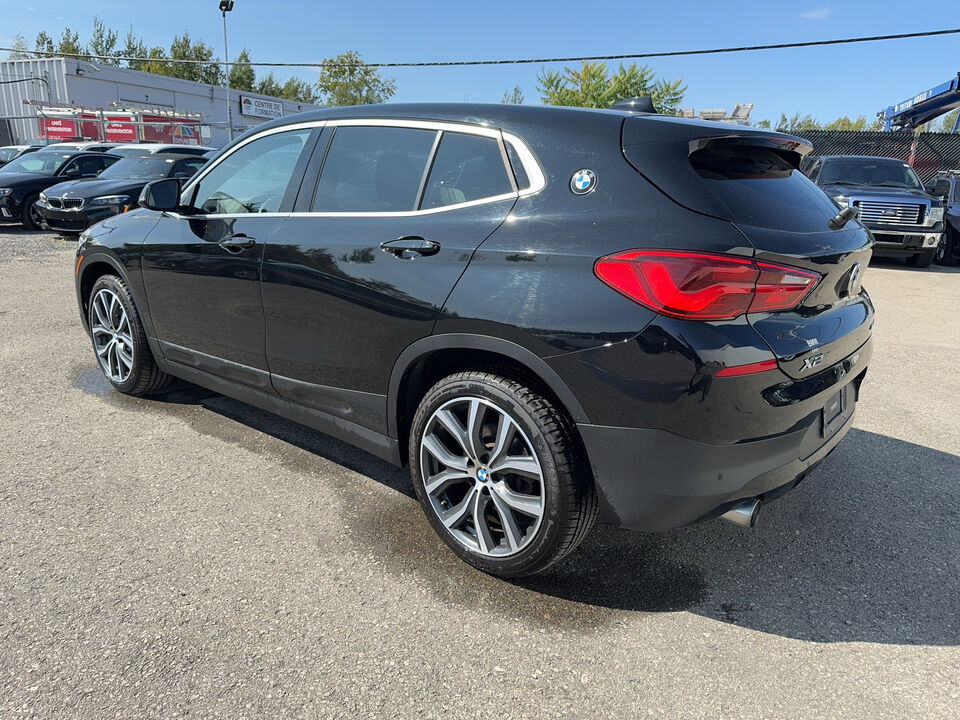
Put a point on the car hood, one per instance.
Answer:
(95, 187)
(871, 191)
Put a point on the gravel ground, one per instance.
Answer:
(192, 556)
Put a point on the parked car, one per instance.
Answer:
(549, 313)
(22, 180)
(890, 199)
(12, 152)
(87, 146)
(143, 148)
(75, 205)
(946, 185)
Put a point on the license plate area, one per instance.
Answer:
(837, 410)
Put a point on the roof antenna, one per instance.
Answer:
(640, 104)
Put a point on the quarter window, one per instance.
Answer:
(466, 168)
(254, 178)
(373, 169)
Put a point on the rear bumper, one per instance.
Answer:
(656, 480)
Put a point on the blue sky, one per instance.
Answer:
(827, 82)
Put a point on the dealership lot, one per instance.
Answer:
(190, 555)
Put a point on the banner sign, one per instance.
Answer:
(256, 107)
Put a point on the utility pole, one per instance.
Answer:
(225, 7)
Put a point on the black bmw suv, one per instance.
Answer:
(549, 314)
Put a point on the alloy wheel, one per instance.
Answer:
(482, 476)
(111, 336)
(35, 216)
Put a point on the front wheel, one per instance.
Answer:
(119, 340)
(947, 249)
(499, 474)
(922, 259)
(30, 216)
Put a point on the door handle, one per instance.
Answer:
(237, 243)
(410, 246)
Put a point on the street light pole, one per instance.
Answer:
(225, 7)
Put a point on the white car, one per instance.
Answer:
(85, 146)
(128, 149)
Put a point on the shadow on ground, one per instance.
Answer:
(865, 549)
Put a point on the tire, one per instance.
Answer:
(922, 259)
(530, 518)
(946, 253)
(115, 329)
(29, 217)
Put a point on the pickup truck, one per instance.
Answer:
(890, 200)
(946, 185)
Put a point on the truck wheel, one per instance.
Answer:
(947, 249)
(500, 474)
(922, 259)
(29, 215)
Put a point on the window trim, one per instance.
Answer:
(530, 164)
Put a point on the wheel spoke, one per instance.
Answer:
(505, 433)
(442, 480)
(520, 464)
(484, 537)
(453, 426)
(510, 527)
(100, 330)
(531, 505)
(433, 446)
(125, 358)
(474, 425)
(102, 351)
(125, 339)
(455, 515)
(100, 309)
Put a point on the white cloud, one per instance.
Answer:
(816, 13)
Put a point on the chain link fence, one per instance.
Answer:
(926, 152)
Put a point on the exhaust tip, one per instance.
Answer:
(744, 514)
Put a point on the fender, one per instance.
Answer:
(467, 341)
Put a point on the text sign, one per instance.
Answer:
(256, 107)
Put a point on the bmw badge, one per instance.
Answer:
(583, 182)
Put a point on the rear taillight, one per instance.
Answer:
(701, 286)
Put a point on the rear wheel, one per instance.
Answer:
(119, 340)
(921, 259)
(29, 214)
(947, 249)
(498, 472)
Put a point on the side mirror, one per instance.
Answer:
(940, 188)
(161, 195)
(72, 173)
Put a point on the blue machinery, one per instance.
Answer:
(924, 107)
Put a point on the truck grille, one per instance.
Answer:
(65, 203)
(898, 213)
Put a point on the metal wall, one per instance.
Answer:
(85, 84)
(932, 152)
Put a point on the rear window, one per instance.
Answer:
(762, 188)
(466, 168)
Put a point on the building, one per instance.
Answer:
(59, 98)
(739, 116)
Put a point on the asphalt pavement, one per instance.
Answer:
(191, 556)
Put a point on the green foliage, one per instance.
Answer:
(156, 62)
(19, 51)
(347, 80)
(43, 44)
(845, 123)
(242, 76)
(134, 47)
(298, 90)
(513, 97)
(797, 123)
(593, 86)
(103, 43)
(762, 124)
(206, 71)
(268, 85)
(70, 45)
(946, 125)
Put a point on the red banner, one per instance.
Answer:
(179, 131)
(121, 129)
(58, 129)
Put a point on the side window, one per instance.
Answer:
(519, 171)
(188, 168)
(88, 165)
(254, 178)
(467, 167)
(373, 169)
(956, 191)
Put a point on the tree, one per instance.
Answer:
(205, 71)
(134, 47)
(347, 80)
(242, 76)
(946, 125)
(296, 89)
(845, 123)
(513, 97)
(269, 86)
(43, 44)
(797, 123)
(19, 50)
(765, 124)
(157, 62)
(69, 45)
(593, 86)
(103, 44)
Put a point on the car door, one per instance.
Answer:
(378, 241)
(201, 267)
(86, 166)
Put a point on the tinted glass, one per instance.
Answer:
(519, 172)
(762, 188)
(254, 178)
(876, 173)
(42, 163)
(87, 166)
(147, 167)
(466, 167)
(7, 153)
(373, 169)
(956, 191)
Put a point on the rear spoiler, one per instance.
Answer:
(659, 148)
